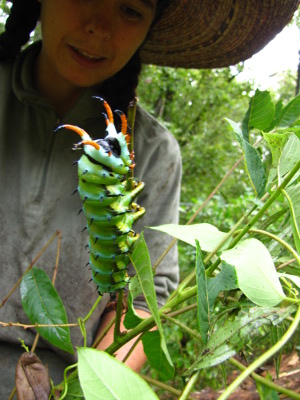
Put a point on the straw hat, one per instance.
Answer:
(214, 33)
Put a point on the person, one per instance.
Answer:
(96, 48)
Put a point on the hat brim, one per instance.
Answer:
(214, 33)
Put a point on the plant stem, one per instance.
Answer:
(187, 390)
(161, 385)
(92, 309)
(263, 358)
(290, 393)
(199, 209)
(104, 332)
(183, 327)
(29, 268)
(279, 240)
(148, 323)
(117, 331)
(267, 204)
(131, 121)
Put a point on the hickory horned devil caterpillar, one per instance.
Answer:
(107, 202)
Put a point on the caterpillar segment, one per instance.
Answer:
(107, 203)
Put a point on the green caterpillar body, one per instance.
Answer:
(107, 203)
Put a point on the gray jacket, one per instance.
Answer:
(37, 180)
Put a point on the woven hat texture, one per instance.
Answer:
(215, 33)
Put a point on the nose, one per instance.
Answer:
(101, 22)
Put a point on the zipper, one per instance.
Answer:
(41, 190)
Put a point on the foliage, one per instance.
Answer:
(232, 295)
(240, 268)
(192, 104)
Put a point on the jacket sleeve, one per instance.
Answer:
(159, 167)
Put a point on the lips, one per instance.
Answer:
(86, 54)
(86, 59)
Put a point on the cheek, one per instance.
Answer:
(128, 45)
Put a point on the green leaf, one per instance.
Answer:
(253, 163)
(266, 393)
(289, 157)
(202, 295)
(292, 194)
(276, 142)
(231, 336)
(293, 278)
(103, 377)
(290, 113)
(207, 235)
(141, 261)
(156, 355)
(74, 390)
(257, 276)
(42, 305)
(132, 319)
(225, 280)
(260, 113)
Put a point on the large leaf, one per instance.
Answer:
(290, 155)
(232, 335)
(225, 280)
(276, 142)
(103, 377)
(155, 353)
(43, 305)
(141, 261)
(290, 113)
(253, 162)
(292, 193)
(207, 235)
(257, 276)
(203, 310)
(260, 113)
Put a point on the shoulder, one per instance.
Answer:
(155, 147)
(149, 131)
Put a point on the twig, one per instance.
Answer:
(29, 268)
(119, 311)
(188, 388)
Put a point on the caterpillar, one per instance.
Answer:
(107, 202)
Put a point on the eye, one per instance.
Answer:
(131, 13)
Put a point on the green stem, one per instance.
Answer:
(199, 209)
(187, 390)
(66, 380)
(287, 392)
(92, 309)
(104, 332)
(279, 240)
(183, 327)
(82, 321)
(131, 121)
(260, 213)
(267, 204)
(230, 234)
(263, 358)
(148, 323)
(161, 385)
(117, 331)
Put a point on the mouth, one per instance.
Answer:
(87, 55)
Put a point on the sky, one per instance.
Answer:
(279, 55)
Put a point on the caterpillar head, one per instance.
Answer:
(112, 151)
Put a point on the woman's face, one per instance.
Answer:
(86, 42)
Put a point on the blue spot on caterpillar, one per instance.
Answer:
(107, 203)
